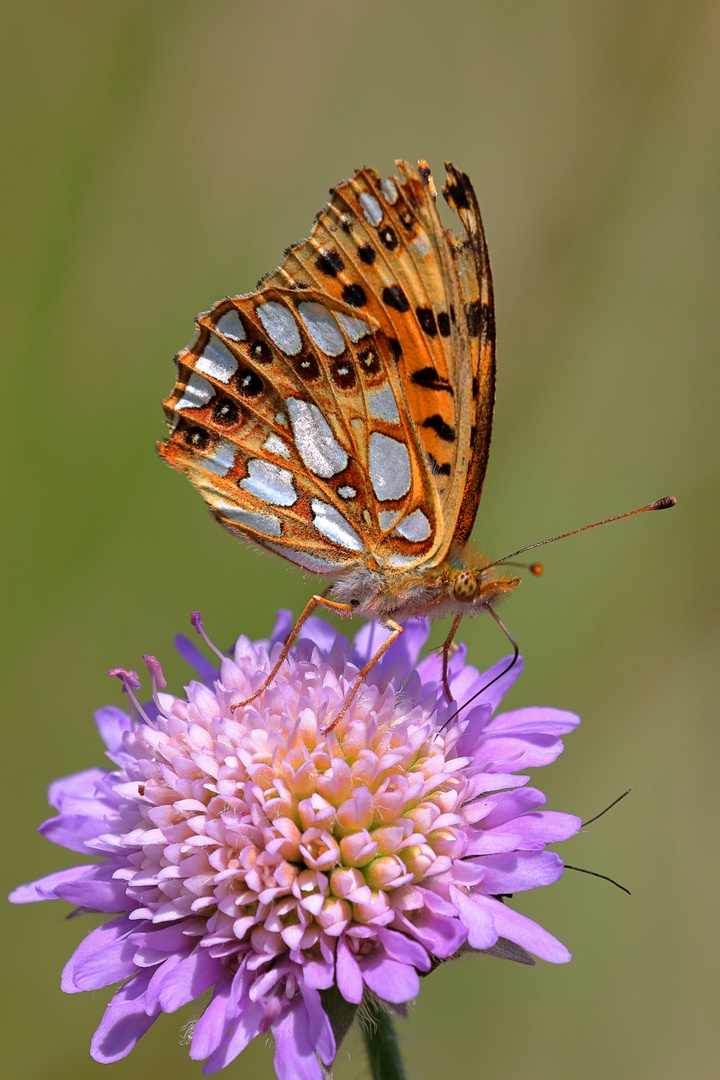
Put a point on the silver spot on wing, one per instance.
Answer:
(421, 244)
(372, 211)
(274, 445)
(402, 560)
(389, 191)
(217, 361)
(387, 519)
(270, 483)
(221, 459)
(314, 439)
(308, 562)
(196, 394)
(389, 467)
(229, 324)
(331, 523)
(383, 405)
(266, 524)
(414, 527)
(354, 328)
(280, 326)
(322, 328)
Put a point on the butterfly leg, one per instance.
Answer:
(446, 654)
(395, 632)
(314, 602)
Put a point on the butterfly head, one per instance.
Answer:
(480, 585)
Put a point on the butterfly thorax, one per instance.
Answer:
(466, 583)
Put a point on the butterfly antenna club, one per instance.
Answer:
(660, 504)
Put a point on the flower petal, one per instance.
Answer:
(95, 888)
(403, 948)
(190, 978)
(389, 979)
(81, 786)
(515, 927)
(516, 871)
(124, 1023)
(294, 1055)
(44, 888)
(540, 719)
(112, 723)
(242, 1030)
(284, 623)
(349, 978)
(195, 659)
(478, 920)
(210, 1028)
(104, 957)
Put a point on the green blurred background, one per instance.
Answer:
(160, 155)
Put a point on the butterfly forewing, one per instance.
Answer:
(475, 279)
(381, 245)
(341, 414)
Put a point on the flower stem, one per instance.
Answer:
(382, 1047)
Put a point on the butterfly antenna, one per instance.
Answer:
(613, 803)
(496, 678)
(594, 873)
(659, 504)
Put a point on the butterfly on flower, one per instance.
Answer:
(341, 415)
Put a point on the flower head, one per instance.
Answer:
(256, 854)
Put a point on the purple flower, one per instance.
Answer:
(253, 854)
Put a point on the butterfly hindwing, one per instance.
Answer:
(289, 418)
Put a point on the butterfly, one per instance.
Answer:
(341, 414)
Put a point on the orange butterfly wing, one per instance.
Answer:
(341, 414)
(380, 246)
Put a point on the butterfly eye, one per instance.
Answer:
(466, 585)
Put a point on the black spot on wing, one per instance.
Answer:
(354, 295)
(307, 367)
(369, 361)
(428, 377)
(440, 427)
(225, 411)
(436, 468)
(395, 347)
(367, 254)
(458, 191)
(260, 350)
(407, 219)
(472, 314)
(394, 297)
(427, 320)
(196, 437)
(329, 263)
(443, 322)
(388, 237)
(248, 382)
(343, 374)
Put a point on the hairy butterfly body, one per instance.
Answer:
(341, 415)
